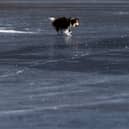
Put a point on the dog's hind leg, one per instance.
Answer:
(57, 29)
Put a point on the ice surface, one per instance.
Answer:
(50, 81)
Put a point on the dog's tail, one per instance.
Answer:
(52, 19)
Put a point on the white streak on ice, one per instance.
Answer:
(12, 74)
(16, 31)
(59, 107)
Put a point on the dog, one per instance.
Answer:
(63, 24)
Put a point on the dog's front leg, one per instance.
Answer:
(68, 32)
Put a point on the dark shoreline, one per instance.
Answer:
(56, 5)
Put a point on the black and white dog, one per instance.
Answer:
(63, 24)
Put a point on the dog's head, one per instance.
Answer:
(74, 22)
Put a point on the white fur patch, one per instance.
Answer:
(67, 32)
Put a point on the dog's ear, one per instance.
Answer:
(74, 18)
(71, 18)
(77, 18)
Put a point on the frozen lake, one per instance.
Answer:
(49, 81)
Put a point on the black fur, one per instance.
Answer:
(63, 23)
